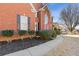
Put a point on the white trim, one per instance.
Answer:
(46, 19)
(33, 8)
(42, 7)
(23, 22)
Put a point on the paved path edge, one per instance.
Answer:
(39, 50)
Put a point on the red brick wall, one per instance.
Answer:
(37, 5)
(42, 20)
(9, 12)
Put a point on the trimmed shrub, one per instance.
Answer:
(7, 33)
(31, 32)
(37, 33)
(58, 31)
(48, 34)
(54, 34)
(22, 32)
(45, 35)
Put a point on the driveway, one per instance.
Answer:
(69, 47)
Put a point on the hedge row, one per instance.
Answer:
(48, 34)
(44, 34)
(9, 33)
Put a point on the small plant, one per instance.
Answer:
(58, 31)
(45, 35)
(31, 32)
(7, 33)
(54, 33)
(37, 33)
(22, 32)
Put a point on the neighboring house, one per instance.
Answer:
(25, 16)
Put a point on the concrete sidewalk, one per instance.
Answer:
(40, 49)
(69, 47)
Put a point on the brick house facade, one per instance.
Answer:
(25, 16)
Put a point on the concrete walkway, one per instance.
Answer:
(39, 50)
(69, 47)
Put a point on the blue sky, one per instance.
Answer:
(55, 9)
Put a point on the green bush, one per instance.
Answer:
(22, 32)
(48, 34)
(58, 31)
(45, 35)
(54, 34)
(37, 33)
(7, 33)
(31, 32)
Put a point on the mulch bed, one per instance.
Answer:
(17, 45)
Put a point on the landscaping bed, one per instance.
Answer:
(12, 43)
(17, 45)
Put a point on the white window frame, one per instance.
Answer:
(46, 22)
(46, 19)
(23, 22)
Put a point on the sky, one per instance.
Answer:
(55, 9)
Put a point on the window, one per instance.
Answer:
(46, 22)
(23, 22)
(46, 19)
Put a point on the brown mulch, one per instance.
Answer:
(14, 37)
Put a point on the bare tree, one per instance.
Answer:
(70, 15)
